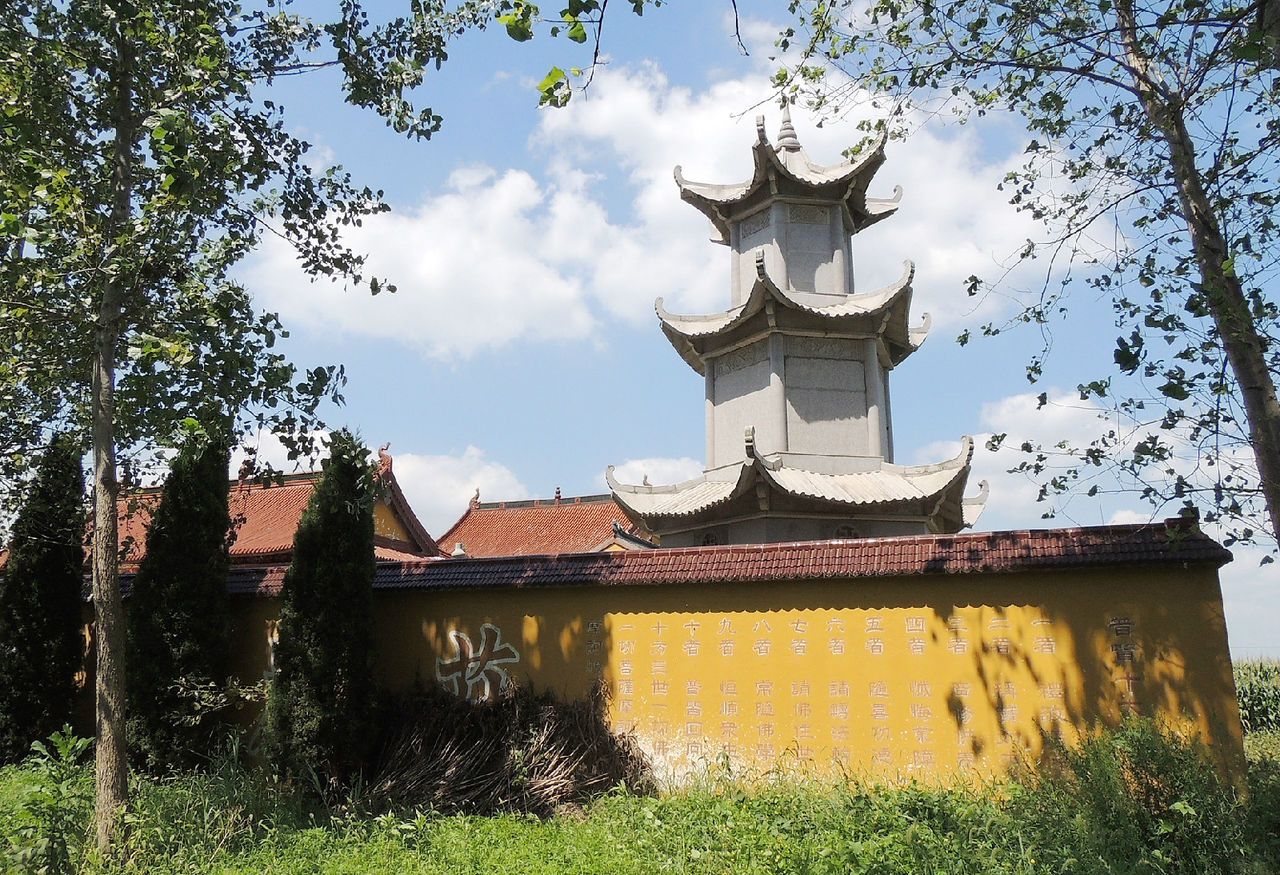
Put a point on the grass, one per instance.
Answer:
(1130, 802)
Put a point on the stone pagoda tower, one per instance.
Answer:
(799, 432)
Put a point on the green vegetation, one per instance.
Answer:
(1129, 802)
(320, 710)
(179, 619)
(40, 604)
(1258, 691)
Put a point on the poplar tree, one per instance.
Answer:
(142, 158)
(320, 705)
(41, 604)
(178, 615)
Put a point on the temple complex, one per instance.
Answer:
(799, 430)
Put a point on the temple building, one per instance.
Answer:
(806, 600)
(542, 526)
(799, 433)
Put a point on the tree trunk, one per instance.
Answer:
(111, 774)
(1228, 306)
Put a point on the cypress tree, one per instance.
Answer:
(41, 604)
(321, 701)
(178, 612)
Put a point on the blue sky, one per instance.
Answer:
(521, 352)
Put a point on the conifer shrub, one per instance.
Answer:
(523, 752)
(320, 705)
(41, 604)
(178, 612)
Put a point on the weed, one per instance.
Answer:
(51, 819)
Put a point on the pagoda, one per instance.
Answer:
(798, 420)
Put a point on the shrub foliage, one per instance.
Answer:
(41, 604)
(320, 707)
(1136, 799)
(178, 612)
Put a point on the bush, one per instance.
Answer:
(1258, 691)
(41, 604)
(179, 615)
(1262, 824)
(1136, 798)
(520, 753)
(1265, 745)
(321, 702)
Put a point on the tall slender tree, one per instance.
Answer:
(321, 699)
(42, 604)
(178, 617)
(142, 157)
(140, 161)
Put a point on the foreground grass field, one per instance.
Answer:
(1130, 802)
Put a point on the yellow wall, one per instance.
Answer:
(387, 524)
(916, 675)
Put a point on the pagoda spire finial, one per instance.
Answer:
(787, 138)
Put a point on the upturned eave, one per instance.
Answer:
(790, 171)
(884, 313)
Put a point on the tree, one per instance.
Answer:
(1154, 126)
(142, 158)
(179, 618)
(321, 700)
(140, 162)
(41, 604)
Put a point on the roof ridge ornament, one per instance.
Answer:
(787, 138)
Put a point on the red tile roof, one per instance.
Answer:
(541, 526)
(265, 519)
(1175, 542)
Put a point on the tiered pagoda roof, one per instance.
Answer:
(930, 491)
(884, 312)
(787, 165)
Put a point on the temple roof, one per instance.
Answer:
(265, 518)
(787, 165)
(580, 524)
(879, 487)
(1175, 542)
(884, 312)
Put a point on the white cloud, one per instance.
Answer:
(660, 471)
(270, 450)
(1014, 497)
(503, 254)
(439, 487)
(469, 265)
